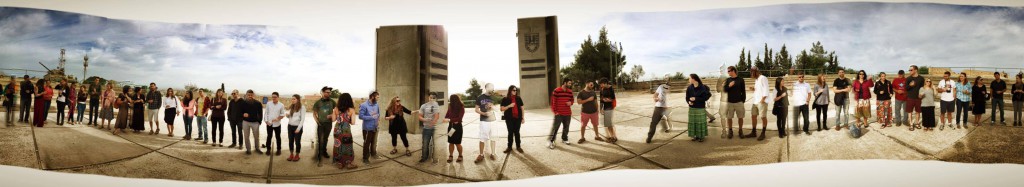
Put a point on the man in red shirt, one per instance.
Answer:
(561, 101)
(899, 86)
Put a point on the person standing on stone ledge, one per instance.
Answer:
(588, 102)
(697, 95)
(561, 101)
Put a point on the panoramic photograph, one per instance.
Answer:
(538, 93)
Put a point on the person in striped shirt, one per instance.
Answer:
(561, 101)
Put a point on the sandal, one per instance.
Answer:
(493, 157)
(407, 153)
(459, 159)
(479, 158)
(449, 159)
(393, 151)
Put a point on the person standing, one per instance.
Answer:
(202, 116)
(138, 110)
(272, 116)
(188, 104)
(28, 89)
(219, 106)
(841, 87)
(979, 96)
(607, 110)
(124, 109)
(821, 101)
(369, 112)
(963, 99)
(801, 100)
(80, 105)
(62, 101)
(736, 93)
(998, 88)
(153, 103)
(760, 106)
(697, 96)
(484, 107)
(9, 102)
(429, 115)
(252, 111)
(107, 104)
(171, 106)
(561, 101)
(512, 106)
(72, 102)
(927, 95)
(296, 116)
(454, 118)
(946, 88)
(588, 102)
(899, 87)
(344, 154)
(396, 124)
(1018, 99)
(235, 119)
(95, 90)
(914, 83)
(323, 114)
(883, 94)
(862, 93)
(781, 106)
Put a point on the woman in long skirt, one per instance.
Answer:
(43, 95)
(124, 106)
(107, 106)
(978, 96)
(928, 105)
(138, 107)
(343, 152)
(697, 96)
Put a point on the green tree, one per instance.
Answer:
(742, 64)
(783, 59)
(596, 59)
(474, 89)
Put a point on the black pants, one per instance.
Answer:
(802, 111)
(659, 112)
(997, 106)
(323, 131)
(94, 107)
(370, 144)
(294, 139)
(46, 110)
(26, 109)
(962, 107)
(273, 132)
(564, 121)
(513, 126)
(218, 129)
(821, 114)
(394, 139)
(236, 132)
(781, 121)
(60, 112)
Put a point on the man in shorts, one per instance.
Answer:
(914, 84)
(736, 93)
(608, 109)
(760, 106)
(484, 107)
(946, 88)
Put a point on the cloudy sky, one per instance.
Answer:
(297, 48)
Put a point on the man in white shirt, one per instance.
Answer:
(801, 97)
(760, 106)
(272, 116)
(946, 88)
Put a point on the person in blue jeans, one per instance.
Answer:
(429, 115)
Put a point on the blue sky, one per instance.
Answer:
(302, 57)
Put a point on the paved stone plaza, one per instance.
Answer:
(85, 149)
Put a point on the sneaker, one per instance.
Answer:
(566, 142)
(551, 145)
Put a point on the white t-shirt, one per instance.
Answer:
(662, 97)
(761, 89)
(800, 91)
(947, 95)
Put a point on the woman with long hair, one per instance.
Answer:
(124, 105)
(342, 117)
(171, 105)
(138, 110)
(862, 93)
(189, 106)
(218, 105)
(781, 106)
(697, 96)
(821, 101)
(979, 96)
(963, 100)
(396, 124)
(43, 94)
(296, 116)
(454, 118)
(927, 94)
(107, 105)
(512, 105)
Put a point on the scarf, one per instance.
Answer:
(515, 110)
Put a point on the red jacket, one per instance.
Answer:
(559, 98)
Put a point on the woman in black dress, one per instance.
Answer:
(396, 124)
(138, 118)
(978, 98)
